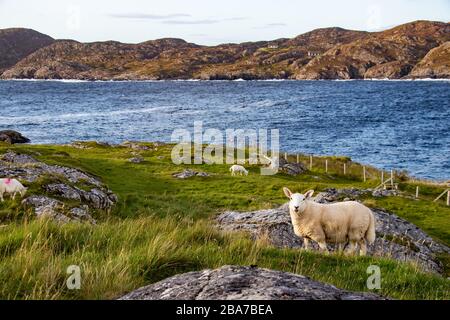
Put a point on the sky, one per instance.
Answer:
(210, 22)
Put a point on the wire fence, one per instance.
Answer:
(346, 167)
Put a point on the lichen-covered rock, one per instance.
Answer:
(63, 190)
(136, 159)
(333, 195)
(291, 168)
(81, 214)
(243, 283)
(385, 193)
(15, 158)
(27, 168)
(94, 194)
(98, 199)
(396, 237)
(188, 173)
(46, 207)
(135, 145)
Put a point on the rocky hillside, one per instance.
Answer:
(436, 64)
(329, 53)
(388, 54)
(17, 43)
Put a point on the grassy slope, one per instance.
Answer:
(162, 226)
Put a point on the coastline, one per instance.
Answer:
(224, 80)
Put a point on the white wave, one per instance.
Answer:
(46, 118)
(395, 80)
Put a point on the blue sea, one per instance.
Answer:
(388, 124)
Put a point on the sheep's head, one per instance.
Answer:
(297, 201)
(23, 191)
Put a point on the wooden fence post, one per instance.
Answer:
(326, 165)
(448, 198)
(298, 158)
(310, 162)
(417, 192)
(392, 179)
(382, 177)
(364, 173)
(345, 168)
(285, 156)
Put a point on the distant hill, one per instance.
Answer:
(17, 43)
(389, 54)
(436, 64)
(328, 53)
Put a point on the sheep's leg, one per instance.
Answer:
(352, 247)
(14, 196)
(362, 247)
(341, 247)
(306, 243)
(323, 246)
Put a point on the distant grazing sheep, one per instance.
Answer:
(339, 223)
(11, 186)
(237, 169)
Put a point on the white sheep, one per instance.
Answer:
(11, 186)
(237, 169)
(340, 223)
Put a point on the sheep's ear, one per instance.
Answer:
(309, 194)
(287, 192)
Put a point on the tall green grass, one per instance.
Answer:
(118, 256)
(163, 226)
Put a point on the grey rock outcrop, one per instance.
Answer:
(136, 159)
(62, 186)
(333, 195)
(46, 207)
(385, 193)
(96, 198)
(396, 237)
(51, 208)
(291, 168)
(188, 173)
(12, 137)
(135, 145)
(243, 283)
